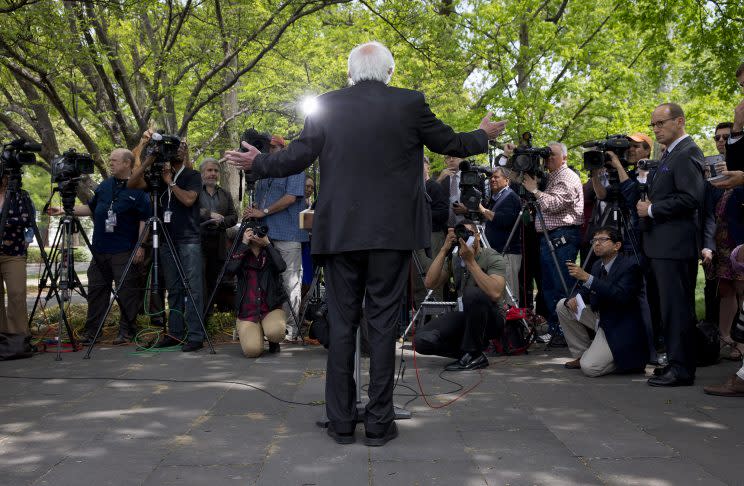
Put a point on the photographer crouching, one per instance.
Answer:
(613, 293)
(479, 277)
(260, 294)
(167, 172)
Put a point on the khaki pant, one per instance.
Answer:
(14, 318)
(251, 334)
(596, 356)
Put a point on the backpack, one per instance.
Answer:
(15, 346)
(516, 338)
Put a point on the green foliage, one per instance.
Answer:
(220, 322)
(80, 254)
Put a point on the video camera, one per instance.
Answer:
(598, 157)
(647, 164)
(16, 154)
(71, 166)
(163, 149)
(529, 160)
(473, 186)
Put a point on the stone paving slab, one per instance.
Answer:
(125, 418)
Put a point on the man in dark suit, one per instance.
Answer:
(612, 293)
(500, 217)
(671, 240)
(370, 216)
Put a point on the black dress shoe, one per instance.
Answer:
(340, 438)
(166, 342)
(660, 370)
(377, 440)
(274, 347)
(87, 339)
(468, 362)
(192, 346)
(670, 378)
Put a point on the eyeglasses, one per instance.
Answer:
(659, 123)
(599, 239)
(723, 136)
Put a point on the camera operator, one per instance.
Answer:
(119, 216)
(612, 293)
(562, 205)
(13, 255)
(179, 210)
(260, 294)
(217, 213)
(479, 277)
(671, 240)
(500, 217)
(279, 202)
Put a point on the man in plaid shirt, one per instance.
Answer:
(562, 207)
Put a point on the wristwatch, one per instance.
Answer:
(266, 211)
(171, 184)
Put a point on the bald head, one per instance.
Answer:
(121, 162)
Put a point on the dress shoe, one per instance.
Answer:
(192, 346)
(660, 370)
(670, 378)
(377, 440)
(166, 342)
(468, 362)
(558, 341)
(574, 364)
(340, 438)
(122, 339)
(274, 347)
(734, 387)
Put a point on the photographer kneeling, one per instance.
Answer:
(479, 277)
(612, 294)
(260, 294)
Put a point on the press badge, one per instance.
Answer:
(167, 216)
(110, 221)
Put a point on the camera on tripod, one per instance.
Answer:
(163, 149)
(473, 186)
(67, 170)
(16, 154)
(598, 156)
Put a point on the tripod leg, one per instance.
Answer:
(182, 276)
(233, 247)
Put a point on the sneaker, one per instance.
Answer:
(559, 341)
(166, 342)
(87, 339)
(192, 346)
(123, 339)
(543, 338)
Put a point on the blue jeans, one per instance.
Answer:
(191, 259)
(552, 289)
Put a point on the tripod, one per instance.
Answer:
(155, 225)
(62, 277)
(529, 207)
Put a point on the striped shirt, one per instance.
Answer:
(562, 202)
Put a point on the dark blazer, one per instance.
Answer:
(505, 213)
(370, 138)
(439, 206)
(676, 193)
(735, 155)
(617, 299)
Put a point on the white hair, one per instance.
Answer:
(564, 149)
(370, 61)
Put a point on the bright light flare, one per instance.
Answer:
(309, 105)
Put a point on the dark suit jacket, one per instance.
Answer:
(676, 193)
(616, 298)
(370, 138)
(735, 155)
(505, 214)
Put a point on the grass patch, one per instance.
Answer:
(79, 254)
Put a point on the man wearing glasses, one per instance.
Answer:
(671, 240)
(611, 294)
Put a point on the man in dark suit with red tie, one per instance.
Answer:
(672, 240)
(370, 215)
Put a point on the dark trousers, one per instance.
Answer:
(383, 274)
(213, 259)
(456, 333)
(104, 270)
(675, 281)
(552, 287)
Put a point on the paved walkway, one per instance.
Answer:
(172, 418)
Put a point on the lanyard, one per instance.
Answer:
(175, 178)
(114, 193)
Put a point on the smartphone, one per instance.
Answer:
(715, 164)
